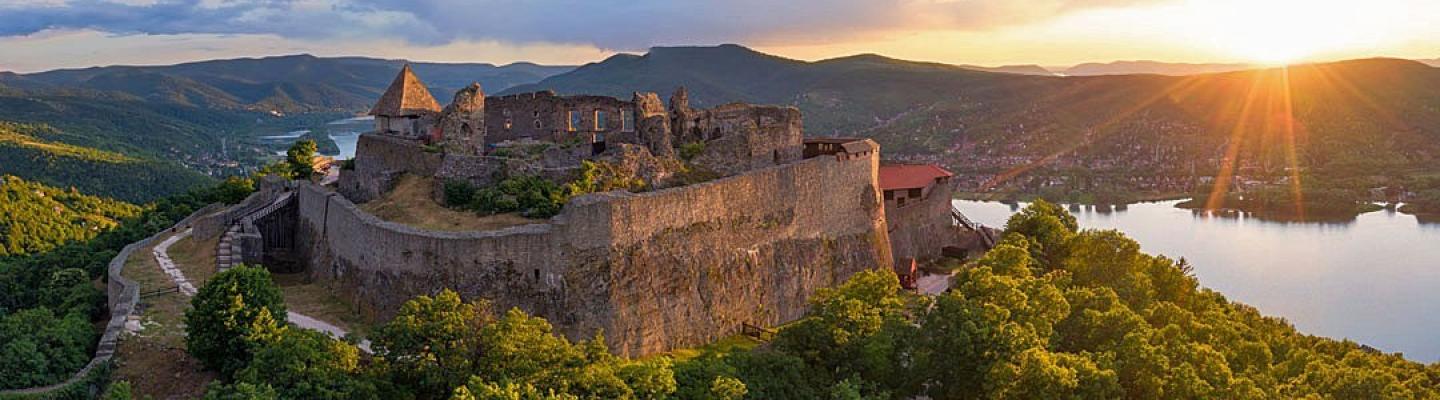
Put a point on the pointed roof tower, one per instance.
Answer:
(406, 97)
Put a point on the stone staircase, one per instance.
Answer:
(227, 253)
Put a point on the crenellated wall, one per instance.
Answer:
(655, 271)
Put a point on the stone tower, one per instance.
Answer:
(406, 107)
(652, 124)
(682, 117)
(462, 123)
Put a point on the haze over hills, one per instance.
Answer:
(296, 83)
(1151, 67)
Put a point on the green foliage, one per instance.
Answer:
(300, 159)
(54, 290)
(1046, 226)
(537, 197)
(38, 347)
(689, 151)
(120, 390)
(26, 151)
(228, 316)
(241, 391)
(727, 388)
(533, 197)
(602, 176)
(37, 218)
(301, 363)
(431, 345)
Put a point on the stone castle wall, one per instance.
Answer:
(545, 116)
(386, 158)
(922, 228)
(741, 137)
(655, 271)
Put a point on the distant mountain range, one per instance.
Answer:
(298, 83)
(1151, 67)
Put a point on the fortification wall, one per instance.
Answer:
(922, 229)
(656, 271)
(743, 137)
(545, 116)
(386, 158)
(688, 265)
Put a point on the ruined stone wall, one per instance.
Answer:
(686, 266)
(381, 159)
(922, 227)
(656, 271)
(516, 116)
(742, 137)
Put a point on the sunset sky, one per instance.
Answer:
(39, 35)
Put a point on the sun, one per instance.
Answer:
(1278, 31)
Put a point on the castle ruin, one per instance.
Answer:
(680, 263)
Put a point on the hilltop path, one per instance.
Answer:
(162, 257)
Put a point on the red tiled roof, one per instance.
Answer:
(910, 176)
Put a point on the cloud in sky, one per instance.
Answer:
(626, 25)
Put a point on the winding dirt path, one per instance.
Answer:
(162, 257)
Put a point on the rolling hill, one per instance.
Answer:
(1354, 119)
(1151, 67)
(24, 152)
(38, 218)
(288, 84)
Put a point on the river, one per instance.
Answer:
(346, 133)
(1375, 280)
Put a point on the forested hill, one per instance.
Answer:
(33, 152)
(289, 84)
(37, 218)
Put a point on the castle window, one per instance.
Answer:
(505, 112)
(574, 119)
(599, 120)
(627, 121)
(535, 113)
(538, 125)
(507, 124)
